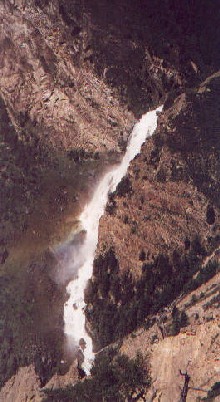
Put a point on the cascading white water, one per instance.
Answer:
(74, 318)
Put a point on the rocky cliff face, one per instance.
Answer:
(145, 48)
(163, 219)
(51, 111)
(51, 99)
(73, 76)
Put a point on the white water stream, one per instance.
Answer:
(74, 318)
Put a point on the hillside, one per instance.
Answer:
(74, 78)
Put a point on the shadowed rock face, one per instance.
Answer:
(143, 49)
(146, 48)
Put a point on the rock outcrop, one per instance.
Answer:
(51, 99)
(24, 386)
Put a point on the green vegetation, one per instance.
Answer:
(215, 390)
(204, 275)
(193, 300)
(179, 320)
(142, 255)
(214, 302)
(212, 393)
(79, 155)
(115, 378)
(118, 304)
(210, 215)
(111, 205)
(124, 187)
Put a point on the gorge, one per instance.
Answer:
(83, 255)
(75, 77)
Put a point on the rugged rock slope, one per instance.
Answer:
(159, 276)
(194, 349)
(50, 97)
(163, 219)
(158, 248)
(72, 77)
(58, 122)
(145, 48)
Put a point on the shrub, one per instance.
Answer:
(127, 303)
(193, 299)
(115, 378)
(76, 154)
(212, 393)
(179, 320)
(210, 215)
(204, 275)
(142, 255)
(126, 219)
(187, 244)
(183, 319)
(124, 187)
(111, 207)
(215, 390)
(197, 247)
(133, 228)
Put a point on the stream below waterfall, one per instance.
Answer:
(85, 240)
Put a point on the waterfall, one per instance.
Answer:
(84, 251)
